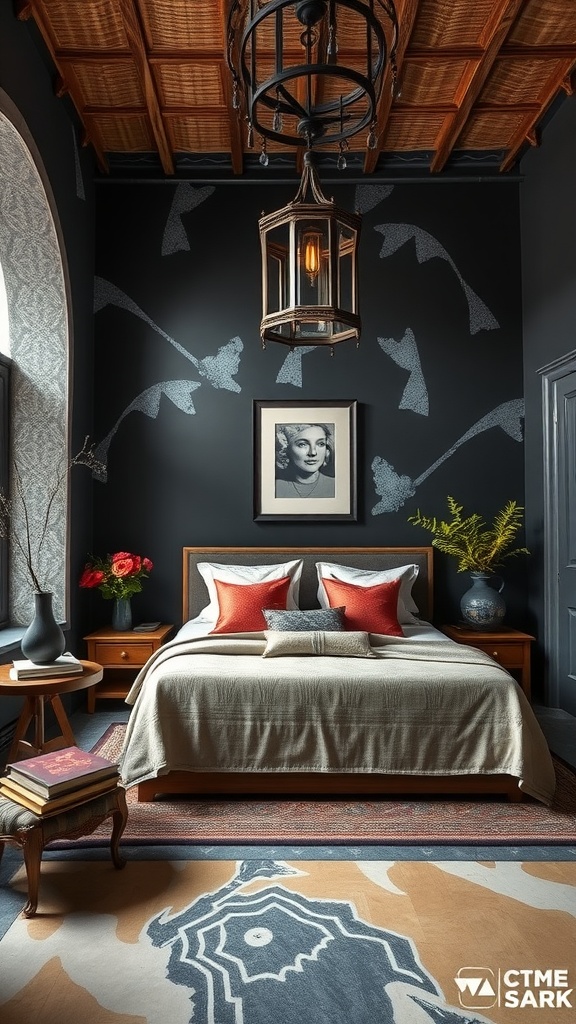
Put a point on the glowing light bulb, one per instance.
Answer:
(312, 255)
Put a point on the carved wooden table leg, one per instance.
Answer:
(36, 693)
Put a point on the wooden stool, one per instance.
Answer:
(33, 833)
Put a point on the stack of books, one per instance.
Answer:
(65, 665)
(49, 783)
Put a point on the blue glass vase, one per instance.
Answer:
(122, 614)
(43, 641)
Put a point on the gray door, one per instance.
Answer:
(560, 531)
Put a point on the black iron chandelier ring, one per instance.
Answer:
(315, 111)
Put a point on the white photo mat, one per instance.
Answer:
(341, 415)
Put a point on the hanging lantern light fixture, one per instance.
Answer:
(305, 74)
(309, 269)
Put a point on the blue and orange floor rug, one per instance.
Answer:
(351, 938)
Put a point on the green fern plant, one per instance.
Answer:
(476, 546)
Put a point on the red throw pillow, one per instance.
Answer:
(372, 609)
(241, 604)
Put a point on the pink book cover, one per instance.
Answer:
(61, 765)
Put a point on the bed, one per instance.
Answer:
(321, 709)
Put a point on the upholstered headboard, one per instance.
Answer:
(195, 594)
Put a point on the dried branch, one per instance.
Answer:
(22, 540)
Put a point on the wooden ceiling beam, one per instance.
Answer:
(138, 49)
(449, 109)
(504, 16)
(527, 132)
(508, 108)
(406, 19)
(26, 9)
(553, 52)
(234, 124)
(415, 56)
(71, 55)
(456, 53)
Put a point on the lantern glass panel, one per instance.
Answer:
(275, 293)
(312, 263)
(347, 297)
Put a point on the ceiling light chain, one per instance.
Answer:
(236, 84)
(332, 47)
(310, 247)
(395, 90)
(309, 182)
(277, 119)
(372, 140)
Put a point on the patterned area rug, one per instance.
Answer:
(347, 822)
(254, 941)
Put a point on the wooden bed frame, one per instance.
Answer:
(195, 597)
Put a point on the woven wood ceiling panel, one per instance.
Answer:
(148, 80)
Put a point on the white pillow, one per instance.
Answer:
(241, 574)
(407, 609)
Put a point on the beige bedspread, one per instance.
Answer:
(418, 708)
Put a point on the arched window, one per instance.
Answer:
(36, 336)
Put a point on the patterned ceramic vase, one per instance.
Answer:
(122, 614)
(43, 640)
(483, 606)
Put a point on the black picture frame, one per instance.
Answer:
(280, 495)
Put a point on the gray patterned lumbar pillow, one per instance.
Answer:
(352, 644)
(331, 619)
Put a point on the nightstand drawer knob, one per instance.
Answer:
(123, 655)
(495, 655)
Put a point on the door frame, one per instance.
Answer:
(551, 374)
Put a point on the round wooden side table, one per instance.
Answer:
(37, 693)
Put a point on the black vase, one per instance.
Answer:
(43, 641)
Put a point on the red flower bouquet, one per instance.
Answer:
(116, 576)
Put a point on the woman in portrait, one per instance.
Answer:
(305, 460)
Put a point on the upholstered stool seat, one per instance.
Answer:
(33, 833)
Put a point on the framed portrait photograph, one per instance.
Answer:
(305, 460)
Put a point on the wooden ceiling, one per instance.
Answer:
(151, 86)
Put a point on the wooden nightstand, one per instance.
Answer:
(121, 656)
(509, 647)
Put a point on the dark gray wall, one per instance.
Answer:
(548, 239)
(178, 277)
